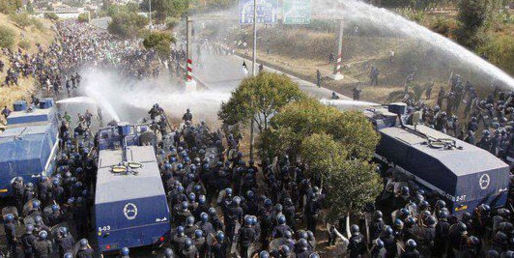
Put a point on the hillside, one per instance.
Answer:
(25, 37)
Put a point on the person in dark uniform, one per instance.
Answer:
(219, 247)
(85, 250)
(10, 234)
(125, 252)
(246, 237)
(27, 241)
(189, 250)
(43, 246)
(357, 244)
(64, 241)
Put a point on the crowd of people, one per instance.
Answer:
(223, 204)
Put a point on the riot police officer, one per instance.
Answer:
(27, 241)
(85, 251)
(357, 245)
(43, 246)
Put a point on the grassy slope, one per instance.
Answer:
(10, 94)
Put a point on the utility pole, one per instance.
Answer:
(337, 67)
(150, 13)
(254, 72)
(254, 54)
(190, 83)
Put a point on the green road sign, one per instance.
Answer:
(297, 11)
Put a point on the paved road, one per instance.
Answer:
(226, 73)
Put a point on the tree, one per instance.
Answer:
(257, 99)
(335, 146)
(352, 185)
(127, 25)
(304, 118)
(83, 17)
(166, 8)
(472, 14)
(160, 42)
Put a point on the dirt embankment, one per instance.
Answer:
(41, 33)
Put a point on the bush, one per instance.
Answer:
(37, 24)
(22, 20)
(127, 25)
(500, 51)
(6, 37)
(443, 26)
(159, 41)
(51, 16)
(171, 23)
(10, 6)
(24, 44)
(83, 17)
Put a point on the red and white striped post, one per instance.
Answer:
(189, 70)
(337, 67)
(190, 82)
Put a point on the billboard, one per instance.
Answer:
(266, 11)
(297, 11)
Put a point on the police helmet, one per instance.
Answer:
(192, 197)
(491, 253)
(63, 230)
(190, 220)
(411, 244)
(288, 234)
(354, 229)
(168, 253)
(431, 221)
(398, 223)
(284, 249)
(29, 228)
(36, 204)
(55, 207)
(314, 255)
(212, 211)
(204, 217)
(228, 191)
(473, 241)
(440, 204)
(30, 185)
(389, 230)
(9, 217)
(248, 220)
(198, 233)
(264, 254)
(185, 205)
(281, 219)
(43, 234)
(38, 219)
(268, 202)
(463, 229)
(173, 159)
(279, 207)
(220, 236)
(125, 251)
(19, 179)
(237, 200)
(303, 235)
(250, 194)
(180, 229)
(197, 188)
(68, 255)
(180, 189)
(254, 220)
(379, 243)
(83, 243)
(201, 199)
(404, 212)
(180, 166)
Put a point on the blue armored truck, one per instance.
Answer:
(463, 174)
(29, 143)
(130, 209)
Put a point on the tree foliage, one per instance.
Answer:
(259, 98)
(335, 146)
(10, 6)
(83, 17)
(308, 117)
(51, 16)
(160, 42)
(352, 185)
(500, 51)
(127, 24)
(6, 37)
(472, 14)
(166, 8)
